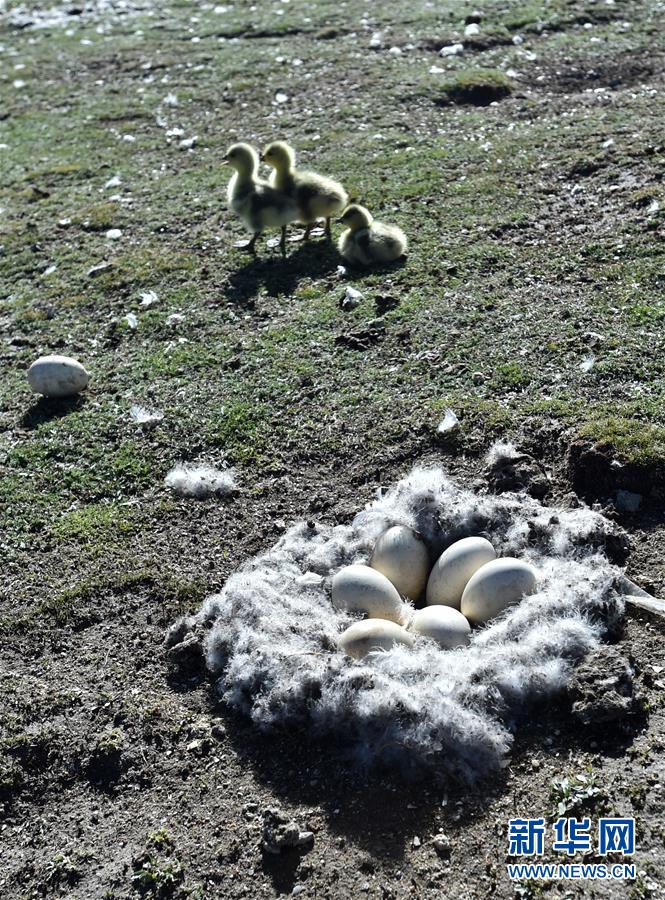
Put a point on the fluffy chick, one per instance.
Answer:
(258, 204)
(316, 196)
(366, 241)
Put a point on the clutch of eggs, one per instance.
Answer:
(466, 585)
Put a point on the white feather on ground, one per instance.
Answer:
(448, 423)
(272, 632)
(201, 482)
(145, 417)
(501, 452)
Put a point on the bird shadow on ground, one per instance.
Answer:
(277, 275)
(48, 408)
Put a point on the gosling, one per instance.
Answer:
(366, 241)
(259, 205)
(316, 196)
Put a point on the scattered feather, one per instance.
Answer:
(145, 417)
(501, 452)
(201, 482)
(351, 298)
(116, 181)
(170, 100)
(188, 143)
(588, 363)
(131, 320)
(148, 298)
(98, 269)
(448, 423)
(114, 234)
(281, 97)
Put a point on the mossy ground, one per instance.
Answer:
(536, 227)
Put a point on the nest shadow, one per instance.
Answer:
(378, 810)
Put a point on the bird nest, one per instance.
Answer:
(271, 632)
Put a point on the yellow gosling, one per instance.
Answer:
(256, 202)
(316, 196)
(366, 242)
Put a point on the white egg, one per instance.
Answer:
(495, 586)
(401, 555)
(361, 638)
(453, 569)
(57, 376)
(362, 589)
(447, 626)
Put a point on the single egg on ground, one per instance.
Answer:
(57, 376)
(362, 589)
(401, 555)
(453, 569)
(361, 638)
(444, 624)
(496, 586)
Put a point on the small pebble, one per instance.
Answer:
(441, 843)
(452, 50)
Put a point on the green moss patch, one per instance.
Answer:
(477, 87)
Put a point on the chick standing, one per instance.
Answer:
(316, 196)
(366, 241)
(258, 204)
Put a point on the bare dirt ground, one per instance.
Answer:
(528, 173)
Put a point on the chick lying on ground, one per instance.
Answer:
(316, 196)
(259, 205)
(367, 242)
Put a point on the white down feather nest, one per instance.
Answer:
(273, 631)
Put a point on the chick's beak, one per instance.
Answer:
(225, 161)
